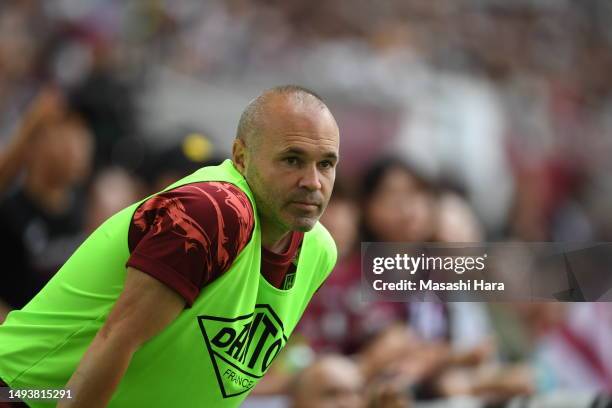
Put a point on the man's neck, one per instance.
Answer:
(277, 242)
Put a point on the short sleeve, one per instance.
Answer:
(189, 236)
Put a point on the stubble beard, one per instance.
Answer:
(279, 217)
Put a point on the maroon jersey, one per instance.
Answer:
(189, 236)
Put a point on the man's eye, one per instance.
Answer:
(292, 161)
(326, 164)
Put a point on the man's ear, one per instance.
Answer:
(239, 153)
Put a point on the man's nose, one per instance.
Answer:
(310, 178)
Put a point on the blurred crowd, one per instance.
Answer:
(461, 121)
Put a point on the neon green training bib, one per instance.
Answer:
(212, 355)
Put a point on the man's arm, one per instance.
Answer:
(144, 308)
(47, 107)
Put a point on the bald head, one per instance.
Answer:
(330, 382)
(287, 148)
(275, 101)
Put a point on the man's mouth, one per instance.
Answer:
(306, 205)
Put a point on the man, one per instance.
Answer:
(220, 267)
(42, 215)
(332, 381)
(42, 219)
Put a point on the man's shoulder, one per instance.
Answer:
(212, 207)
(222, 195)
(223, 188)
(189, 235)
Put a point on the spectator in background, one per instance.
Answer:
(456, 221)
(47, 107)
(398, 203)
(192, 151)
(334, 381)
(567, 345)
(107, 103)
(329, 382)
(111, 190)
(577, 342)
(469, 325)
(21, 34)
(42, 220)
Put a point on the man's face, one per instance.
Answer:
(292, 166)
